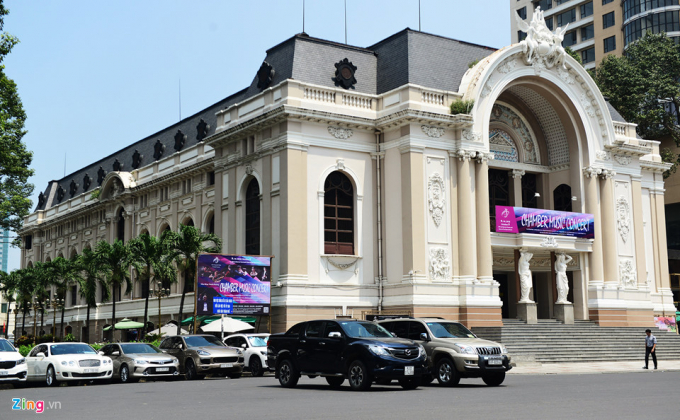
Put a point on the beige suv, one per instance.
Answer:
(199, 355)
(453, 351)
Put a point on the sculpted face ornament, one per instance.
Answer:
(542, 47)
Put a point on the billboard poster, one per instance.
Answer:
(233, 285)
(666, 323)
(545, 222)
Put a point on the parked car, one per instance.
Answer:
(359, 351)
(72, 362)
(453, 351)
(12, 363)
(133, 361)
(254, 350)
(200, 355)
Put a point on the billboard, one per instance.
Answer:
(233, 285)
(544, 222)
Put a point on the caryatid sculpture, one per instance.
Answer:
(524, 271)
(561, 261)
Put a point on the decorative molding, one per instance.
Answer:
(465, 154)
(483, 157)
(627, 273)
(342, 266)
(436, 197)
(517, 173)
(340, 133)
(503, 261)
(542, 47)
(566, 76)
(623, 217)
(439, 264)
(607, 174)
(549, 242)
(590, 171)
(432, 131)
(603, 155)
(249, 169)
(623, 160)
(340, 164)
(471, 136)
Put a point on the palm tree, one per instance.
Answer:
(187, 244)
(25, 285)
(7, 290)
(95, 275)
(64, 273)
(115, 259)
(42, 282)
(147, 252)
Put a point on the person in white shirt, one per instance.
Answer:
(650, 342)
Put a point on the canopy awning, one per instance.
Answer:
(202, 319)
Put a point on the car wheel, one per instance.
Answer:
(50, 377)
(288, 375)
(495, 379)
(124, 374)
(359, 378)
(335, 381)
(234, 375)
(190, 373)
(409, 383)
(447, 375)
(256, 366)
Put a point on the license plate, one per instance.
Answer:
(495, 362)
(3, 373)
(226, 365)
(91, 370)
(162, 369)
(409, 371)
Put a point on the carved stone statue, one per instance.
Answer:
(524, 270)
(561, 262)
(542, 46)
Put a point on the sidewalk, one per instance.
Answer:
(524, 368)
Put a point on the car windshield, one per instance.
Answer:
(449, 330)
(6, 346)
(365, 329)
(203, 341)
(139, 348)
(258, 341)
(59, 349)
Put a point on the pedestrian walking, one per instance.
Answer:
(650, 347)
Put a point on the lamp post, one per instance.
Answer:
(16, 314)
(56, 304)
(160, 293)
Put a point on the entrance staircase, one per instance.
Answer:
(550, 341)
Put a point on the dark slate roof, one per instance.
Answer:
(614, 113)
(405, 57)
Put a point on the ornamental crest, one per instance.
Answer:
(435, 197)
(542, 48)
(340, 133)
(439, 264)
(623, 217)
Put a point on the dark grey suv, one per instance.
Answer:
(200, 355)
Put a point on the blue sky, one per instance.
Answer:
(95, 76)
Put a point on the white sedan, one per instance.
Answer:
(55, 362)
(12, 363)
(254, 350)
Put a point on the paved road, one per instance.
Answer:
(619, 396)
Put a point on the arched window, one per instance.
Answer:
(253, 218)
(338, 214)
(211, 224)
(499, 192)
(121, 226)
(562, 197)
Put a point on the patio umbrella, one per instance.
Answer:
(231, 325)
(126, 324)
(201, 319)
(168, 330)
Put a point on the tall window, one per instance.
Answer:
(529, 190)
(338, 215)
(253, 218)
(499, 193)
(588, 56)
(610, 44)
(608, 20)
(562, 198)
(211, 224)
(586, 9)
(522, 13)
(569, 39)
(587, 32)
(121, 226)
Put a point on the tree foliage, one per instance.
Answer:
(644, 86)
(15, 158)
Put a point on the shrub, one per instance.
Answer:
(460, 106)
(153, 337)
(471, 64)
(96, 346)
(24, 340)
(69, 338)
(47, 338)
(24, 350)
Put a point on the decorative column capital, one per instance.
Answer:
(463, 155)
(591, 172)
(484, 157)
(607, 174)
(517, 173)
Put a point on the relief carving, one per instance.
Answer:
(623, 217)
(432, 131)
(340, 133)
(439, 264)
(435, 197)
(628, 275)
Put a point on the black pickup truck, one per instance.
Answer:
(360, 351)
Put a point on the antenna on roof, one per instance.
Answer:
(64, 164)
(345, 22)
(419, 16)
(180, 99)
(303, 16)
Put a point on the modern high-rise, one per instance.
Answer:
(600, 27)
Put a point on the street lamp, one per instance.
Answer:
(160, 293)
(15, 311)
(56, 304)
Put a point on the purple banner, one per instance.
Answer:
(233, 284)
(544, 222)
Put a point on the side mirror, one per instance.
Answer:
(334, 334)
(393, 335)
(244, 345)
(423, 336)
(115, 353)
(101, 353)
(181, 346)
(164, 351)
(41, 354)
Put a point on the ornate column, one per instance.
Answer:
(466, 228)
(484, 253)
(610, 258)
(638, 226)
(592, 207)
(664, 273)
(517, 175)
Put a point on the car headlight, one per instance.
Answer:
(465, 349)
(239, 352)
(378, 350)
(264, 353)
(203, 353)
(21, 361)
(421, 351)
(504, 350)
(68, 363)
(141, 362)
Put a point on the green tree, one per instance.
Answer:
(43, 281)
(94, 275)
(187, 244)
(24, 287)
(576, 56)
(64, 274)
(15, 159)
(116, 260)
(7, 290)
(644, 86)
